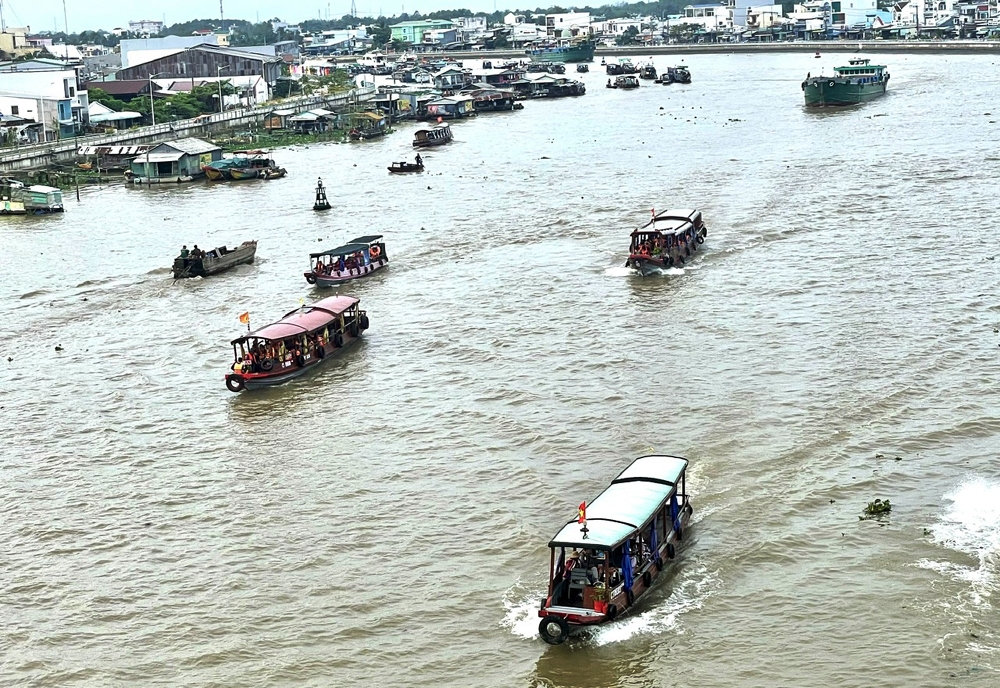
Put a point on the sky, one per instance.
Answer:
(82, 15)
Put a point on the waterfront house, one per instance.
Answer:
(451, 107)
(414, 31)
(497, 77)
(315, 121)
(450, 78)
(278, 119)
(102, 115)
(45, 93)
(174, 161)
(488, 99)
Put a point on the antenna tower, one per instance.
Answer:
(354, 9)
(222, 15)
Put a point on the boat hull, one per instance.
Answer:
(582, 52)
(577, 617)
(196, 267)
(292, 370)
(823, 91)
(336, 279)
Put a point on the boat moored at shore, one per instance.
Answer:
(667, 240)
(602, 562)
(856, 83)
(19, 199)
(297, 343)
(357, 258)
(200, 263)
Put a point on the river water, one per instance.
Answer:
(384, 521)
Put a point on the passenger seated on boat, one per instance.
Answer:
(238, 365)
(184, 251)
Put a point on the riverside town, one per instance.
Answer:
(569, 347)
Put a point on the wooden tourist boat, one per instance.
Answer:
(582, 68)
(626, 81)
(619, 545)
(859, 82)
(404, 167)
(437, 135)
(215, 261)
(357, 258)
(667, 240)
(647, 71)
(300, 341)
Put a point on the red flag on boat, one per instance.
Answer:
(245, 318)
(582, 515)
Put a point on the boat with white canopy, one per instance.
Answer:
(603, 561)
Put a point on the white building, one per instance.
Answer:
(567, 25)
(763, 17)
(714, 17)
(145, 27)
(812, 16)
(50, 96)
(615, 27)
(510, 19)
(848, 13)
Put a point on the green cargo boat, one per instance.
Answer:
(857, 83)
(571, 51)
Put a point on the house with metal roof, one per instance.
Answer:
(210, 61)
(414, 31)
(174, 161)
(313, 121)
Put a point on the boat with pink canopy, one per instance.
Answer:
(300, 341)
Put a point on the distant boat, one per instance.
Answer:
(437, 135)
(570, 51)
(626, 81)
(859, 82)
(403, 167)
(354, 260)
(666, 241)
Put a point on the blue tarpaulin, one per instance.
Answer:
(627, 565)
(675, 512)
(653, 545)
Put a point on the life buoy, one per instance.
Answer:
(320, 351)
(553, 629)
(301, 360)
(831, 84)
(338, 340)
(647, 579)
(375, 251)
(234, 383)
(364, 323)
(671, 552)
(311, 278)
(267, 364)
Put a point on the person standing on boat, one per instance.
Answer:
(420, 161)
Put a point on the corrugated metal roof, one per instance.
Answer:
(192, 146)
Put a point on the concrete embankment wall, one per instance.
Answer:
(44, 154)
(775, 47)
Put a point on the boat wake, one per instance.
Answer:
(628, 272)
(688, 591)
(971, 526)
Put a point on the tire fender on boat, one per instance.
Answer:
(612, 612)
(311, 278)
(831, 84)
(301, 361)
(234, 383)
(320, 351)
(647, 579)
(630, 597)
(671, 552)
(701, 238)
(545, 630)
(338, 340)
(679, 532)
(364, 323)
(267, 364)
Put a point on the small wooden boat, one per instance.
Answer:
(582, 68)
(680, 74)
(300, 341)
(321, 202)
(647, 71)
(357, 258)
(619, 546)
(667, 240)
(625, 81)
(243, 173)
(437, 135)
(404, 167)
(203, 264)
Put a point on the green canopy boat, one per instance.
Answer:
(859, 82)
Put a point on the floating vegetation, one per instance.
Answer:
(876, 509)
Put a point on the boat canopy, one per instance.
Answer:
(631, 500)
(303, 320)
(345, 250)
(366, 239)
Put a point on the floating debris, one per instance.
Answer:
(876, 509)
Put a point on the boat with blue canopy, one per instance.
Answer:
(357, 258)
(604, 560)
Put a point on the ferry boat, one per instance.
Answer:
(567, 51)
(357, 258)
(437, 135)
(602, 562)
(647, 71)
(626, 82)
(215, 261)
(859, 82)
(297, 343)
(667, 240)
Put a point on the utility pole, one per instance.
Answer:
(66, 28)
(3, 26)
(222, 15)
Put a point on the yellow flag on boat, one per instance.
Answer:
(245, 318)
